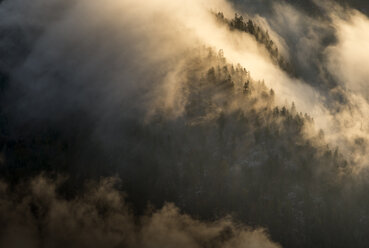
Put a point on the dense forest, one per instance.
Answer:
(238, 23)
(232, 151)
(225, 149)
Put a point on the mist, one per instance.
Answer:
(37, 216)
(216, 142)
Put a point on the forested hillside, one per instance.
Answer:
(262, 36)
(232, 151)
(124, 125)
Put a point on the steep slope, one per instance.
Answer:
(262, 36)
(231, 150)
(202, 134)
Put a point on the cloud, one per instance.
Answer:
(106, 65)
(113, 64)
(35, 215)
(328, 53)
(347, 59)
(99, 72)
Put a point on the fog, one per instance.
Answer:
(37, 216)
(186, 111)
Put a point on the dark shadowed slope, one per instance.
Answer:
(198, 132)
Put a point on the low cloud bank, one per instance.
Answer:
(34, 214)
